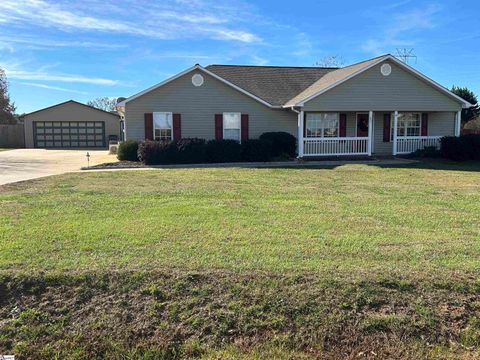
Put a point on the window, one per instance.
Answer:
(322, 125)
(231, 126)
(409, 124)
(162, 126)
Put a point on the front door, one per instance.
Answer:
(362, 125)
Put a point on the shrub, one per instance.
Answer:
(184, 151)
(190, 151)
(256, 150)
(471, 146)
(281, 143)
(461, 148)
(127, 150)
(156, 152)
(218, 151)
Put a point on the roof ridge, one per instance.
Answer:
(274, 66)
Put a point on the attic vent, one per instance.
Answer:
(197, 80)
(386, 69)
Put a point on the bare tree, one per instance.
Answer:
(104, 103)
(334, 61)
(7, 108)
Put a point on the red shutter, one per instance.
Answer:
(244, 131)
(177, 126)
(218, 126)
(148, 126)
(424, 124)
(386, 127)
(343, 125)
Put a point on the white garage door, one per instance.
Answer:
(69, 134)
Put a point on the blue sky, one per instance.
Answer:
(53, 51)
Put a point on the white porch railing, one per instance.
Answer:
(409, 144)
(335, 146)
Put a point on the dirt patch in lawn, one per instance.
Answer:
(225, 315)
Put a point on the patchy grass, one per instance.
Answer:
(348, 262)
(354, 219)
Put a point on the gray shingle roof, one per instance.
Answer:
(273, 84)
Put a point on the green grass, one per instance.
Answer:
(356, 218)
(344, 262)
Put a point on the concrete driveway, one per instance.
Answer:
(24, 164)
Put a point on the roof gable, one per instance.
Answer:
(337, 77)
(71, 102)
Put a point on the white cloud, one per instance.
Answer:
(162, 21)
(15, 71)
(57, 88)
(44, 76)
(43, 43)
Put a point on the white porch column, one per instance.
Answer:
(395, 126)
(458, 122)
(300, 133)
(370, 132)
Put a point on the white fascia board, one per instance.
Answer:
(196, 67)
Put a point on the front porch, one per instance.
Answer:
(330, 134)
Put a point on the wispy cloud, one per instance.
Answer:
(43, 43)
(402, 28)
(15, 71)
(57, 88)
(163, 21)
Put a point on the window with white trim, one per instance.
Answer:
(322, 125)
(162, 126)
(408, 124)
(231, 126)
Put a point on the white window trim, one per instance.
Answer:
(239, 126)
(322, 128)
(405, 133)
(171, 121)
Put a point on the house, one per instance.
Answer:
(377, 107)
(70, 125)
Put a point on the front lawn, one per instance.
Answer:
(381, 257)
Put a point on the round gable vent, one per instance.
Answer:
(197, 80)
(386, 69)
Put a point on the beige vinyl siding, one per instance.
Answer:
(71, 112)
(198, 106)
(439, 124)
(371, 90)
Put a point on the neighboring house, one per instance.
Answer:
(380, 106)
(70, 125)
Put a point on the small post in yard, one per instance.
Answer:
(88, 159)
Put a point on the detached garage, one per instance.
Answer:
(70, 125)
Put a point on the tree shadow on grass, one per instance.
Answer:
(423, 164)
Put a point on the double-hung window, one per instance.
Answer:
(322, 125)
(408, 124)
(162, 126)
(231, 126)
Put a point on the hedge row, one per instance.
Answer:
(461, 148)
(195, 151)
